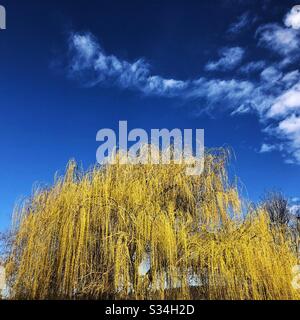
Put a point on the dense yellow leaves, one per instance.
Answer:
(147, 231)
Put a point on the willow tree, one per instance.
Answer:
(145, 232)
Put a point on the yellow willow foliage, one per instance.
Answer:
(145, 232)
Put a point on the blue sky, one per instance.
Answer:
(70, 68)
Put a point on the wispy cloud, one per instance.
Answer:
(244, 22)
(230, 58)
(271, 74)
(265, 148)
(295, 199)
(93, 66)
(253, 66)
(291, 78)
(272, 90)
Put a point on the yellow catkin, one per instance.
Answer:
(146, 232)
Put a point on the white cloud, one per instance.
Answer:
(295, 209)
(243, 22)
(86, 48)
(292, 19)
(278, 39)
(253, 66)
(289, 129)
(295, 199)
(167, 87)
(230, 58)
(230, 95)
(291, 78)
(242, 109)
(265, 148)
(92, 65)
(271, 74)
(291, 126)
(285, 103)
